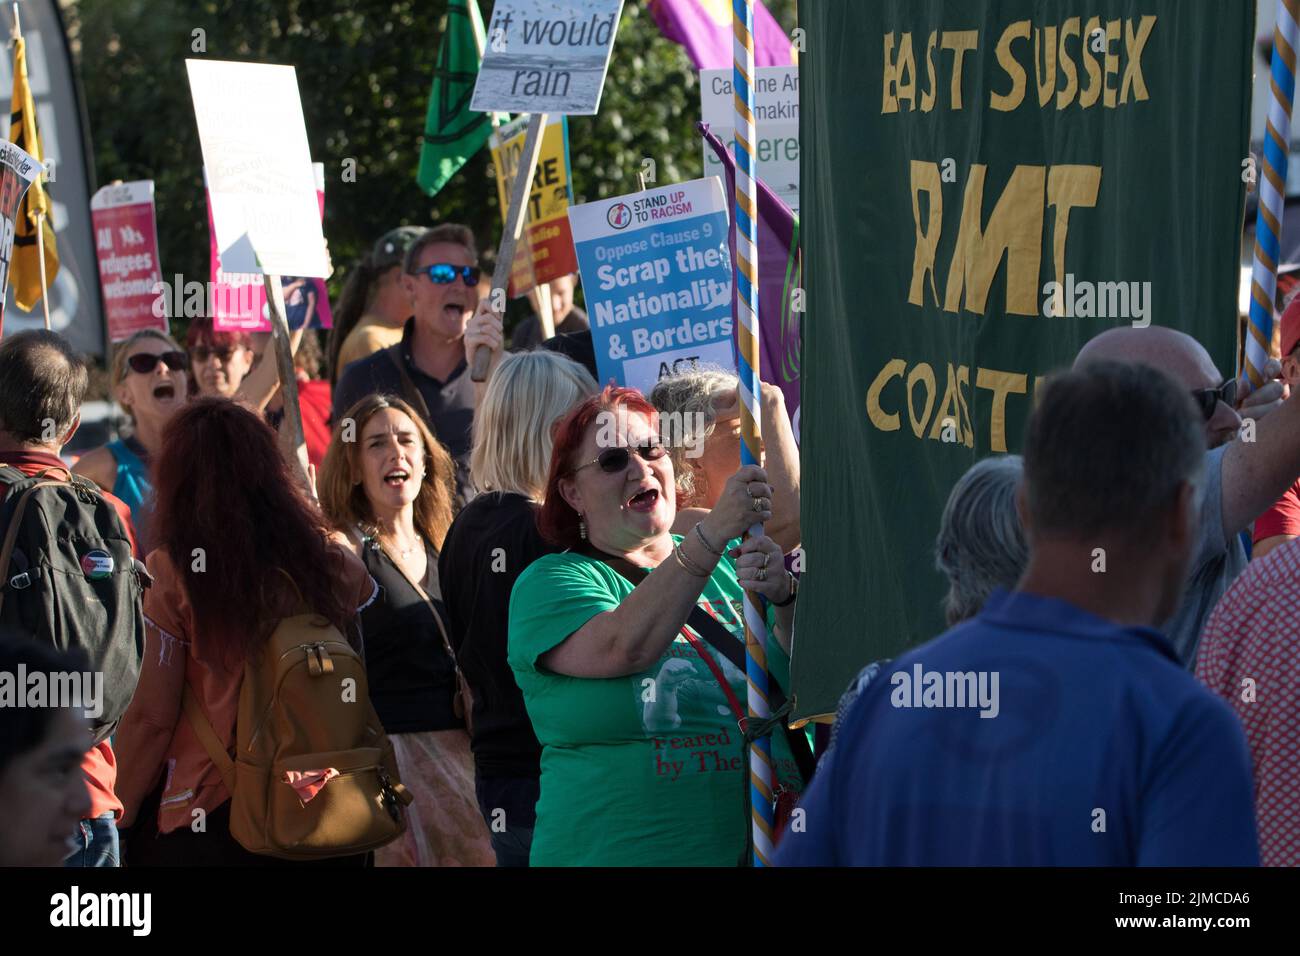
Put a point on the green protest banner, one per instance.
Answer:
(994, 183)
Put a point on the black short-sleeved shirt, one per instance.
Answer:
(476, 581)
(450, 403)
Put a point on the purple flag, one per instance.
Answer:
(704, 28)
(779, 273)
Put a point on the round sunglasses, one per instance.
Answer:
(1207, 399)
(444, 273)
(614, 460)
(146, 362)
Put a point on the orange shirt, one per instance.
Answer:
(154, 737)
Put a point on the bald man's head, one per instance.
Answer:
(1176, 354)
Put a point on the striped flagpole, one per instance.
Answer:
(1272, 192)
(746, 279)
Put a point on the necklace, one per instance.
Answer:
(403, 553)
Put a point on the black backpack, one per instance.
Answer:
(67, 576)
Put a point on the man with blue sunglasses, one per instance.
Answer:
(429, 367)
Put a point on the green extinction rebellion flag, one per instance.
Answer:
(988, 184)
(452, 131)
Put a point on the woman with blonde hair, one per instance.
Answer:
(489, 545)
(699, 412)
(151, 381)
(386, 486)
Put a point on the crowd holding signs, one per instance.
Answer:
(557, 571)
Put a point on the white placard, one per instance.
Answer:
(546, 56)
(776, 124)
(259, 168)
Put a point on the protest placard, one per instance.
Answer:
(18, 170)
(239, 299)
(545, 250)
(546, 56)
(657, 276)
(260, 182)
(126, 246)
(776, 123)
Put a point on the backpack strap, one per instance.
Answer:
(208, 737)
(11, 532)
(721, 640)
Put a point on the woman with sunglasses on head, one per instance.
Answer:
(430, 366)
(151, 380)
(387, 490)
(703, 405)
(624, 648)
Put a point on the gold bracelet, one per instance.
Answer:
(699, 533)
(689, 566)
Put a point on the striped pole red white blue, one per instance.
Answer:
(1272, 192)
(746, 279)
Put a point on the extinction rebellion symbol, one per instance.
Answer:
(619, 215)
(97, 565)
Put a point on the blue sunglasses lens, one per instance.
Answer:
(444, 272)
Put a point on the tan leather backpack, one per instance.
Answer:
(314, 774)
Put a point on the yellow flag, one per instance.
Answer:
(25, 267)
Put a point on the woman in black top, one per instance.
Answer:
(491, 542)
(387, 486)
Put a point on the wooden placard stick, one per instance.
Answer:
(545, 311)
(514, 224)
(288, 378)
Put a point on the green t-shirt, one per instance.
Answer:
(643, 770)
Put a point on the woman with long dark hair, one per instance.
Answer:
(239, 547)
(388, 491)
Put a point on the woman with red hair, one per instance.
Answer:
(229, 518)
(624, 645)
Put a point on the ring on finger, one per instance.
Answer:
(761, 574)
(758, 504)
(767, 556)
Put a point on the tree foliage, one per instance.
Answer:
(364, 72)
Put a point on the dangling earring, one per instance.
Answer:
(582, 527)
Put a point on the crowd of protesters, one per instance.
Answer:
(545, 588)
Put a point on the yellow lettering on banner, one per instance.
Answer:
(1001, 384)
(1045, 63)
(895, 87)
(959, 41)
(885, 421)
(923, 373)
(1015, 228)
(1112, 64)
(1012, 67)
(1133, 46)
(928, 95)
(1089, 96)
(1067, 187)
(925, 177)
(1066, 96)
(953, 406)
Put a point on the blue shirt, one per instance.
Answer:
(1099, 750)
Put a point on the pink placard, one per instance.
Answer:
(126, 246)
(239, 300)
